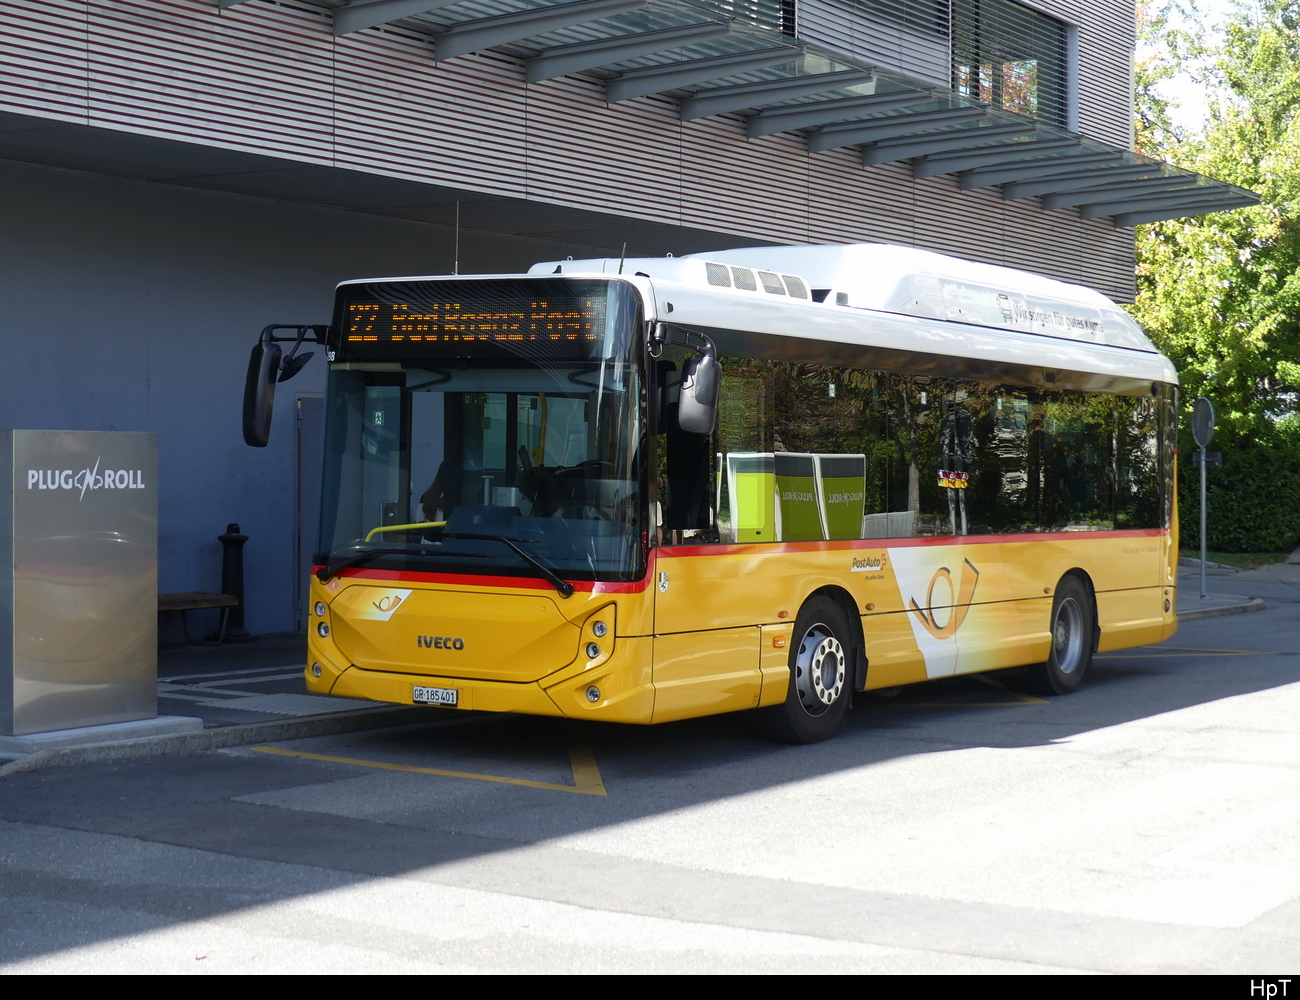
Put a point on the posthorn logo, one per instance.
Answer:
(85, 480)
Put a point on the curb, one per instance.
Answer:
(226, 736)
(1251, 604)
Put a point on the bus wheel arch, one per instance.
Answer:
(824, 649)
(1074, 637)
(857, 637)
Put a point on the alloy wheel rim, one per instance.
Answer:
(1067, 636)
(819, 670)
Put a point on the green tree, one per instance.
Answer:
(1220, 293)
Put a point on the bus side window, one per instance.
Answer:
(1137, 463)
(743, 492)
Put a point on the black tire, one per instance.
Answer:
(821, 677)
(1072, 627)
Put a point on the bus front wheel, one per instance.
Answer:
(1070, 653)
(821, 676)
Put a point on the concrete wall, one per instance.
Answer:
(133, 306)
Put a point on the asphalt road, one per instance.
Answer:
(1148, 823)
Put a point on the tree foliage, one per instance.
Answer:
(1220, 293)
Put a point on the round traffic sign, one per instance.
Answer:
(1203, 422)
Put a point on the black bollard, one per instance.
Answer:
(232, 582)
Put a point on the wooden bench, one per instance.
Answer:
(196, 600)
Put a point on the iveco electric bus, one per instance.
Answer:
(644, 490)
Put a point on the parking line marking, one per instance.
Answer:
(586, 775)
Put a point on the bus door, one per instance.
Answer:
(706, 649)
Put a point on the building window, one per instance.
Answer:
(1010, 56)
(775, 15)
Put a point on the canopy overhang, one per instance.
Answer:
(717, 57)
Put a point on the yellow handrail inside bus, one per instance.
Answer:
(405, 527)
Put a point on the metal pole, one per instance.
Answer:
(1202, 523)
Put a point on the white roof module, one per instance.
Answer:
(890, 298)
(892, 279)
(934, 286)
(696, 270)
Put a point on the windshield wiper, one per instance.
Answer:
(326, 573)
(562, 585)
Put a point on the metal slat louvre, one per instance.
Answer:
(757, 189)
(584, 57)
(472, 36)
(1112, 256)
(569, 114)
(170, 68)
(660, 15)
(839, 188)
(867, 109)
(910, 36)
(388, 115)
(44, 66)
(643, 81)
(370, 13)
(973, 227)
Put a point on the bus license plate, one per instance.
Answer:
(434, 696)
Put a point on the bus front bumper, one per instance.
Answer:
(617, 690)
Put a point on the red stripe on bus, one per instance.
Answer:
(596, 587)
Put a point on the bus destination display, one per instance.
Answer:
(572, 319)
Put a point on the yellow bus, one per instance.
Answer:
(645, 490)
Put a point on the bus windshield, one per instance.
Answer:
(486, 426)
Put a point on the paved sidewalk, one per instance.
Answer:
(253, 692)
(1230, 591)
(241, 693)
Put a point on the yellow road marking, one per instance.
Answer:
(586, 775)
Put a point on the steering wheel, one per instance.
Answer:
(590, 466)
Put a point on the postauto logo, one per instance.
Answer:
(85, 480)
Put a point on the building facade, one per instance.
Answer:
(180, 173)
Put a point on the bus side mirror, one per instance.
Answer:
(259, 392)
(267, 366)
(697, 406)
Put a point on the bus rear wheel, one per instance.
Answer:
(821, 674)
(1070, 654)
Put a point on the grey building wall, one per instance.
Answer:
(133, 306)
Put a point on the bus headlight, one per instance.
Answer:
(323, 630)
